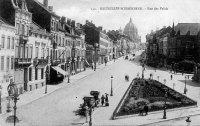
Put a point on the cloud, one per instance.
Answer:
(145, 20)
(75, 13)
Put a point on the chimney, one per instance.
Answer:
(78, 25)
(69, 22)
(73, 23)
(100, 28)
(45, 3)
(81, 25)
(87, 22)
(63, 19)
(51, 8)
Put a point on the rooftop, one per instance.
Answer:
(188, 28)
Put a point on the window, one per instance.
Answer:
(52, 23)
(8, 63)
(30, 51)
(23, 29)
(13, 43)
(54, 26)
(42, 73)
(12, 62)
(18, 28)
(27, 30)
(26, 52)
(42, 53)
(63, 43)
(66, 44)
(2, 41)
(2, 63)
(47, 51)
(21, 51)
(17, 51)
(30, 74)
(36, 73)
(36, 52)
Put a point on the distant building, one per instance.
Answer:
(187, 37)
(177, 47)
(100, 42)
(132, 31)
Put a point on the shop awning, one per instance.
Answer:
(41, 65)
(58, 69)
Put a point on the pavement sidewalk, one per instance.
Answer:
(31, 96)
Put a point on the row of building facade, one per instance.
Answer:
(175, 46)
(38, 47)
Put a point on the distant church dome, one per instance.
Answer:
(131, 30)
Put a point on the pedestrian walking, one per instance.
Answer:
(171, 76)
(102, 100)
(151, 76)
(105, 61)
(146, 109)
(138, 74)
(106, 100)
(92, 65)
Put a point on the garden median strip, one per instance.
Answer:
(154, 95)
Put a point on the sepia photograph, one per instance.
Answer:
(99, 62)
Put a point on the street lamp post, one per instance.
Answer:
(111, 92)
(47, 73)
(12, 91)
(68, 80)
(165, 106)
(90, 114)
(0, 100)
(185, 89)
(95, 55)
(48, 77)
(95, 58)
(73, 55)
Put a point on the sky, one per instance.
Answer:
(147, 15)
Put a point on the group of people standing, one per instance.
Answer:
(104, 100)
(105, 61)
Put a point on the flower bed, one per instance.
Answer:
(152, 93)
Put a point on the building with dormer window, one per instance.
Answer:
(40, 48)
(7, 55)
(15, 12)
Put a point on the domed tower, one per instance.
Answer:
(131, 30)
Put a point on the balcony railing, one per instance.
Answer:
(23, 60)
(23, 39)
